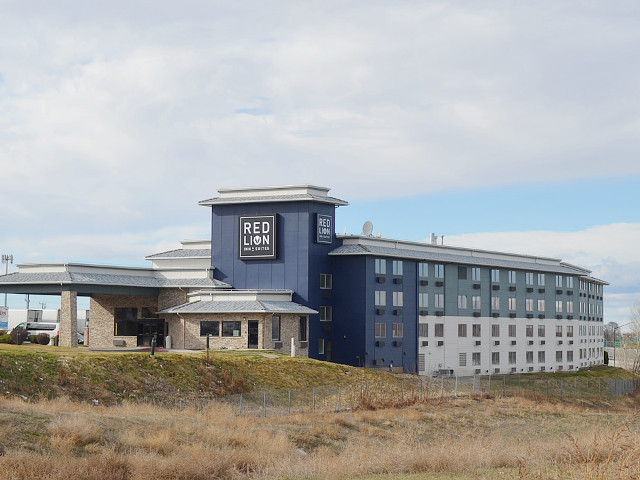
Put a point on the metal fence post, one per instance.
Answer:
(547, 388)
(598, 387)
(441, 386)
(402, 390)
(339, 395)
(504, 385)
(455, 393)
(489, 382)
(519, 386)
(289, 402)
(561, 385)
(575, 386)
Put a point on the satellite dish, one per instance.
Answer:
(367, 228)
(379, 234)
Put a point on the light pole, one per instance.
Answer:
(6, 259)
(617, 327)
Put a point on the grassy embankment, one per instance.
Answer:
(469, 437)
(38, 372)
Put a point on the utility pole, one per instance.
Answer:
(6, 259)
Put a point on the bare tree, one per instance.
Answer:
(634, 325)
(610, 332)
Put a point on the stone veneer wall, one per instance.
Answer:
(69, 319)
(101, 323)
(171, 297)
(190, 330)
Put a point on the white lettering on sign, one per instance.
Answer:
(324, 228)
(257, 237)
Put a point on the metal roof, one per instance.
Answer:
(239, 306)
(182, 253)
(70, 278)
(274, 198)
(356, 249)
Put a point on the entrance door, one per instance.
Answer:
(329, 350)
(253, 334)
(147, 329)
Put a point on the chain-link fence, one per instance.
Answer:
(411, 390)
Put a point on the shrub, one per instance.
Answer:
(33, 338)
(18, 335)
(2, 332)
(43, 338)
(6, 338)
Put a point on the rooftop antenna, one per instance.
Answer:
(345, 231)
(367, 228)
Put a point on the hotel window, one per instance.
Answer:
(569, 306)
(423, 329)
(397, 330)
(475, 274)
(303, 331)
(529, 278)
(541, 279)
(559, 281)
(495, 275)
(438, 300)
(495, 303)
(397, 267)
(570, 331)
(475, 358)
(275, 328)
(558, 330)
(398, 299)
(381, 330)
(541, 330)
(569, 282)
(559, 356)
(512, 276)
(439, 271)
(495, 358)
(210, 328)
(321, 346)
(125, 322)
(380, 298)
(423, 300)
(541, 305)
(529, 357)
(462, 273)
(529, 330)
(512, 358)
(462, 359)
(326, 281)
(326, 314)
(512, 330)
(570, 356)
(231, 329)
(423, 269)
(495, 330)
(381, 266)
(462, 330)
(462, 301)
(475, 330)
(475, 302)
(541, 356)
(438, 330)
(559, 306)
(528, 303)
(512, 303)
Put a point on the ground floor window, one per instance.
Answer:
(210, 328)
(302, 329)
(321, 346)
(275, 328)
(231, 329)
(125, 322)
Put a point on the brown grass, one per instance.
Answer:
(459, 438)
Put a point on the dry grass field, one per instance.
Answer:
(469, 437)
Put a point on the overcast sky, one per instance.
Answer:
(502, 125)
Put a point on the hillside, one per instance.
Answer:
(37, 372)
